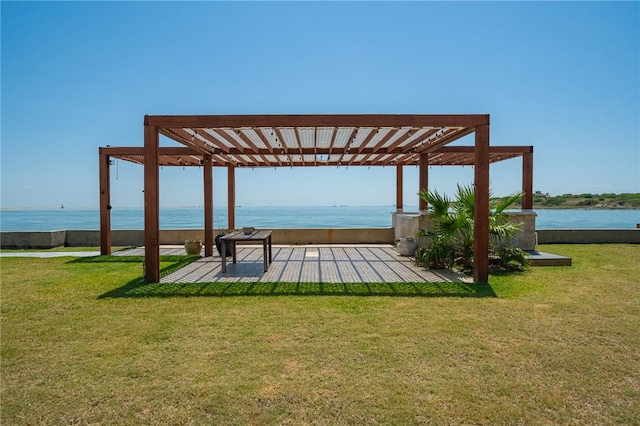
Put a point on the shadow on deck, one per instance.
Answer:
(304, 270)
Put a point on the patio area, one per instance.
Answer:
(311, 140)
(304, 264)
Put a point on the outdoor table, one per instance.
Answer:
(242, 237)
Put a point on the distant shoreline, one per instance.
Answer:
(608, 201)
(539, 207)
(535, 207)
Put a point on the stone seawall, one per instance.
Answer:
(75, 238)
(588, 236)
(80, 238)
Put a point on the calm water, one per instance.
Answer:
(282, 217)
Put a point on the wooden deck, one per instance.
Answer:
(297, 264)
(319, 264)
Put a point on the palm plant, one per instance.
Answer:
(451, 240)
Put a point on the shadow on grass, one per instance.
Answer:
(182, 260)
(175, 262)
(138, 288)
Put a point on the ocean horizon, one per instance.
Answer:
(294, 217)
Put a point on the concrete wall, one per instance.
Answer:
(120, 237)
(588, 236)
(80, 238)
(125, 238)
(407, 225)
(39, 239)
(333, 236)
(526, 237)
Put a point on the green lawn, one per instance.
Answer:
(84, 341)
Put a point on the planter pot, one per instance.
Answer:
(193, 247)
(407, 247)
(219, 246)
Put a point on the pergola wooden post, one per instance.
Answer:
(481, 205)
(424, 179)
(231, 196)
(151, 204)
(399, 188)
(527, 180)
(208, 204)
(105, 204)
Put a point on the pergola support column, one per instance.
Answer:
(481, 205)
(207, 163)
(527, 180)
(105, 207)
(424, 179)
(151, 204)
(399, 187)
(231, 196)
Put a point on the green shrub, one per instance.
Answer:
(451, 241)
(554, 201)
(510, 259)
(440, 255)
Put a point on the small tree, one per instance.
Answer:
(451, 240)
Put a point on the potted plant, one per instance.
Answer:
(406, 247)
(193, 246)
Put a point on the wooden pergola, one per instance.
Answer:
(234, 141)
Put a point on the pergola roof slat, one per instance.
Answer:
(281, 147)
(216, 140)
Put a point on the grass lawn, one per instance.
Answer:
(553, 345)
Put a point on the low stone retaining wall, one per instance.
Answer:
(29, 240)
(79, 238)
(588, 236)
(135, 237)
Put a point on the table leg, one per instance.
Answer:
(270, 256)
(233, 250)
(264, 255)
(223, 249)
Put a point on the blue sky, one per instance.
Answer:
(563, 77)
